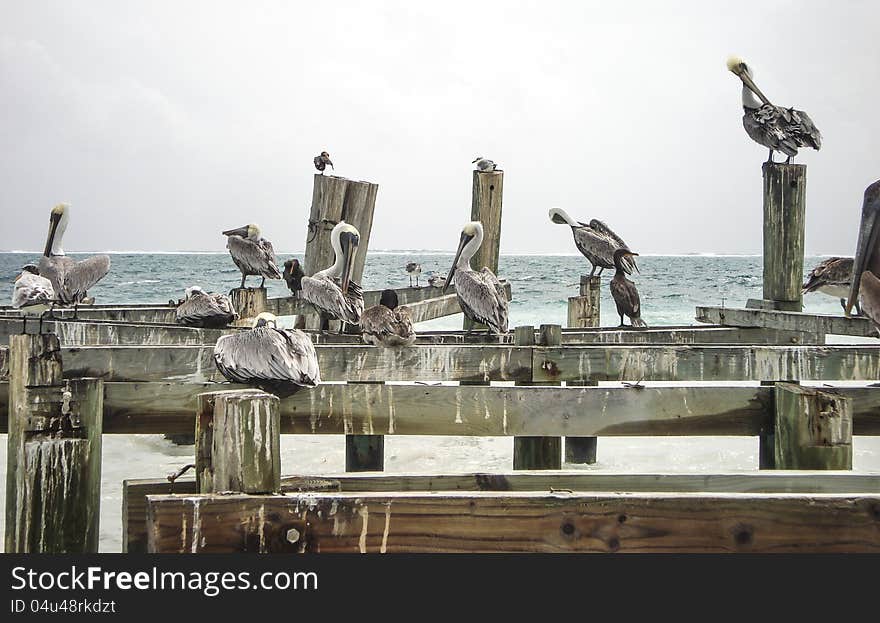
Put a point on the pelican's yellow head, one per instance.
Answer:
(264, 318)
(471, 229)
(61, 209)
(738, 66)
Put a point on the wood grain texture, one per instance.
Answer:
(786, 321)
(784, 215)
(248, 303)
(584, 309)
(111, 333)
(486, 200)
(812, 428)
(514, 522)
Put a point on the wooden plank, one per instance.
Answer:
(786, 321)
(513, 522)
(706, 363)
(154, 314)
(110, 333)
(812, 428)
(785, 189)
(478, 410)
(293, 306)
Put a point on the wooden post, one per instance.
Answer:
(583, 310)
(238, 443)
(364, 453)
(248, 303)
(813, 428)
(784, 215)
(336, 199)
(53, 479)
(488, 189)
(538, 452)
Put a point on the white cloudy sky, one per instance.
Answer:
(163, 123)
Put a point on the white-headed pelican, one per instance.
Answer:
(332, 291)
(252, 253)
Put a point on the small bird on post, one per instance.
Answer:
(775, 127)
(321, 162)
(484, 164)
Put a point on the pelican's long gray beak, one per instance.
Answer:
(239, 231)
(53, 228)
(461, 243)
(350, 244)
(747, 80)
(636, 266)
(867, 244)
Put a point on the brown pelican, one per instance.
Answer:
(321, 162)
(484, 164)
(276, 360)
(775, 127)
(413, 268)
(200, 309)
(595, 241)
(832, 277)
(624, 292)
(866, 267)
(293, 274)
(70, 279)
(480, 294)
(386, 324)
(32, 295)
(332, 291)
(252, 253)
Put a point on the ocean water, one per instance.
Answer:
(670, 287)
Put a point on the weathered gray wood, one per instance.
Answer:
(238, 445)
(488, 190)
(364, 453)
(293, 306)
(706, 363)
(538, 452)
(784, 215)
(248, 303)
(583, 310)
(813, 428)
(154, 314)
(786, 321)
(514, 522)
(53, 479)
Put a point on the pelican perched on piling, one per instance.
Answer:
(865, 287)
(70, 279)
(252, 253)
(200, 309)
(413, 269)
(777, 128)
(480, 294)
(484, 164)
(832, 277)
(332, 291)
(595, 241)
(279, 361)
(386, 324)
(322, 160)
(624, 292)
(293, 274)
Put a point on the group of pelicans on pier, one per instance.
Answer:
(283, 360)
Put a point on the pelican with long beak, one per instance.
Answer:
(331, 290)
(774, 127)
(70, 279)
(480, 294)
(866, 266)
(253, 254)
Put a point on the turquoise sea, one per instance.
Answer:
(670, 288)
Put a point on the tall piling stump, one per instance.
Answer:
(238, 442)
(335, 199)
(248, 303)
(488, 191)
(537, 452)
(53, 478)
(784, 216)
(583, 310)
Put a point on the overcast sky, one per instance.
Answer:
(163, 123)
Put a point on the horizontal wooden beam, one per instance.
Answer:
(706, 363)
(469, 410)
(293, 306)
(154, 314)
(112, 333)
(786, 321)
(513, 522)
(135, 492)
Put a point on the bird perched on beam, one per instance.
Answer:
(777, 128)
(624, 292)
(201, 309)
(388, 324)
(293, 274)
(322, 160)
(832, 277)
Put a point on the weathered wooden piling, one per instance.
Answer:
(238, 444)
(248, 303)
(538, 452)
(366, 452)
(335, 199)
(488, 189)
(583, 310)
(784, 215)
(53, 478)
(813, 428)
